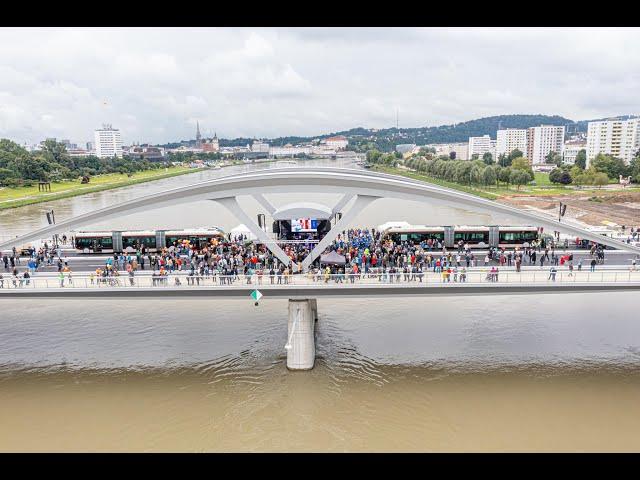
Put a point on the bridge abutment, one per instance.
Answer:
(301, 345)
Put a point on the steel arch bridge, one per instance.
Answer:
(362, 186)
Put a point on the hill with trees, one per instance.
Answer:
(364, 139)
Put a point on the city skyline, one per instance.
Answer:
(155, 84)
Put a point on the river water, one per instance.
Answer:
(500, 373)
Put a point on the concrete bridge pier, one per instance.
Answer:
(301, 345)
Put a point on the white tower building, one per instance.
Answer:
(510, 139)
(108, 142)
(542, 140)
(619, 138)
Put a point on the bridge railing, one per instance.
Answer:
(321, 280)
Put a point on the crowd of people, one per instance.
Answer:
(360, 252)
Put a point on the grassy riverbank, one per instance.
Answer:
(21, 196)
(542, 188)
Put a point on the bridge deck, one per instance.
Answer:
(477, 283)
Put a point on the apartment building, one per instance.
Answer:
(620, 138)
(509, 139)
(481, 145)
(542, 140)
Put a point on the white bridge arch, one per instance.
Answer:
(362, 185)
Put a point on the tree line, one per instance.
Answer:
(53, 164)
(511, 169)
(466, 172)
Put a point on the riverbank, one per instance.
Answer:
(21, 196)
(598, 207)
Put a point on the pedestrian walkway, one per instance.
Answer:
(322, 280)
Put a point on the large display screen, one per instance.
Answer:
(304, 225)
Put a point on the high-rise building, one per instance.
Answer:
(510, 139)
(619, 138)
(481, 145)
(108, 142)
(542, 140)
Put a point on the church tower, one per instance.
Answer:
(198, 136)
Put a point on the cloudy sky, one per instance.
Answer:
(155, 83)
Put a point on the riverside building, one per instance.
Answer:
(108, 142)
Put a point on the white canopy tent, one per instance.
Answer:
(242, 229)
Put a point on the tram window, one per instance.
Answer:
(93, 242)
(84, 242)
(471, 237)
(105, 242)
(417, 237)
(135, 241)
(517, 237)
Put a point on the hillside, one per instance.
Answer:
(363, 139)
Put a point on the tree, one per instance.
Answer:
(600, 179)
(452, 155)
(475, 175)
(56, 152)
(450, 172)
(519, 177)
(503, 160)
(553, 158)
(515, 153)
(489, 176)
(523, 164)
(475, 156)
(554, 175)
(487, 158)
(581, 159)
(610, 165)
(634, 169)
(463, 170)
(373, 156)
(505, 175)
(560, 175)
(426, 150)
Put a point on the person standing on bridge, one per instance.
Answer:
(552, 273)
(593, 264)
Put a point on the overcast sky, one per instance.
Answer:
(155, 83)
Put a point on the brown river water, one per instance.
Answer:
(486, 373)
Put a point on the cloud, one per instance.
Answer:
(155, 84)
